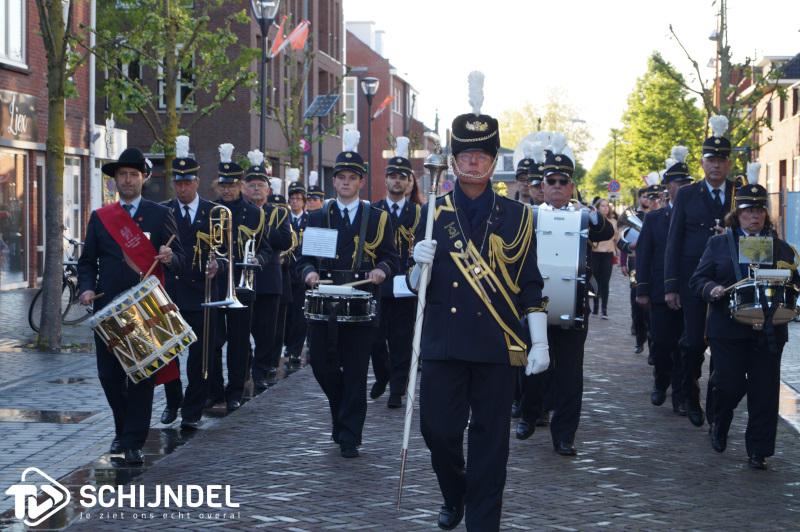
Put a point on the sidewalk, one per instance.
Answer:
(639, 467)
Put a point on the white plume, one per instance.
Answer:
(401, 147)
(534, 150)
(182, 146)
(350, 139)
(752, 172)
(256, 157)
(719, 125)
(652, 179)
(313, 178)
(475, 82)
(275, 185)
(669, 163)
(558, 142)
(679, 153)
(225, 152)
(292, 175)
(543, 137)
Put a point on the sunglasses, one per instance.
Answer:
(553, 181)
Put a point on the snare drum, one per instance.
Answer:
(356, 307)
(143, 328)
(745, 303)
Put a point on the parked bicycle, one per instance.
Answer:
(72, 312)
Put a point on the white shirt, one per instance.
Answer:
(721, 191)
(400, 204)
(135, 203)
(296, 217)
(352, 208)
(192, 207)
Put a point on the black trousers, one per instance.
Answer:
(566, 381)
(296, 321)
(276, 350)
(746, 367)
(601, 264)
(173, 390)
(340, 362)
(391, 353)
(131, 404)
(640, 317)
(453, 393)
(196, 388)
(693, 347)
(666, 326)
(535, 394)
(264, 330)
(233, 327)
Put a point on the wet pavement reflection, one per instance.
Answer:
(111, 469)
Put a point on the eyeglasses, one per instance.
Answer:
(552, 181)
(478, 156)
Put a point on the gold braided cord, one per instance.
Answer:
(447, 206)
(500, 253)
(198, 252)
(370, 247)
(783, 265)
(245, 233)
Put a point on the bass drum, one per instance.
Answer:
(561, 243)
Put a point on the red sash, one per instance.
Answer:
(139, 251)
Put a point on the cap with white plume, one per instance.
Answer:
(182, 146)
(717, 145)
(559, 158)
(753, 169)
(229, 171)
(399, 164)
(314, 190)
(313, 178)
(350, 159)
(676, 168)
(475, 131)
(275, 185)
(475, 83)
(257, 170)
(651, 179)
(184, 168)
(292, 175)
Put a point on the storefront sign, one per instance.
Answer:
(17, 116)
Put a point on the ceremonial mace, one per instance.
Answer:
(435, 163)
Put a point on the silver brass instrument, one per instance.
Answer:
(220, 233)
(630, 234)
(246, 279)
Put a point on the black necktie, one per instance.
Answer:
(346, 217)
(717, 197)
(395, 214)
(187, 217)
(128, 208)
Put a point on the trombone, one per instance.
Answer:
(245, 285)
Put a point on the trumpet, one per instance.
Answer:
(246, 279)
(220, 232)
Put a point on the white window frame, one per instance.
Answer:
(397, 92)
(179, 103)
(5, 44)
(796, 173)
(350, 102)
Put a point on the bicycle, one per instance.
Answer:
(72, 312)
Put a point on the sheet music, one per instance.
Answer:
(755, 250)
(400, 287)
(320, 242)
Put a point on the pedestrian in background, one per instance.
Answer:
(603, 254)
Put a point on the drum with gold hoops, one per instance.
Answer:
(143, 328)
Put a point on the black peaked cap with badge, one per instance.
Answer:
(717, 145)
(558, 158)
(257, 171)
(400, 164)
(475, 131)
(229, 171)
(753, 195)
(184, 167)
(349, 158)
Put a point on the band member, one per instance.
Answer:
(141, 228)
(268, 279)
(666, 324)
(233, 324)
(565, 389)
(295, 321)
(364, 250)
(396, 329)
(315, 194)
(484, 279)
(699, 210)
(747, 361)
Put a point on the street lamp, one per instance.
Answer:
(369, 86)
(264, 11)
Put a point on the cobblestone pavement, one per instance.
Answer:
(639, 467)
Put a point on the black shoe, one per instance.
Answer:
(719, 438)
(261, 385)
(116, 447)
(188, 424)
(348, 450)
(657, 397)
(565, 449)
(604, 315)
(294, 360)
(450, 516)
(516, 410)
(525, 430)
(651, 361)
(395, 401)
(757, 462)
(232, 406)
(543, 420)
(696, 415)
(212, 401)
(169, 415)
(377, 389)
(638, 349)
(134, 457)
(679, 407)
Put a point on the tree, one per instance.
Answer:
(177, 42)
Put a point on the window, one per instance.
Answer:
(781, 108)
(184, 83)
(12, 32)
(796, 174)
(350, 102)
(795, 101)
(397, 92)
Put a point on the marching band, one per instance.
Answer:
(707, 273)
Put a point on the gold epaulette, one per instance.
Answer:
(245, 233)
(515, 252)
(198, 253)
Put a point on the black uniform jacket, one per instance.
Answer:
(716, 268)
(298, 227)
(475, 301)
(403, 233)
(650, 250)
(379, 251)
(247, 219)
(692, 223)
(278, 232)
(102, 267)
(188, 282)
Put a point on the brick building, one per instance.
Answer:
(238, 121)
(400, 118)
(23, 131)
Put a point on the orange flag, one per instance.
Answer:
(279, 38)
(386, 101)
(299, 35)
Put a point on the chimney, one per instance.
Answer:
(380, 37)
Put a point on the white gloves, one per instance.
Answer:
(539, 355)
(424, 250)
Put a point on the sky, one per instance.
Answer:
(590, 51)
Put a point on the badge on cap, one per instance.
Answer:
(477, 125)
(348, 155)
